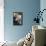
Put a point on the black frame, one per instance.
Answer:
(18, 14)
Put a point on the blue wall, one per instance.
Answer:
(28, 7)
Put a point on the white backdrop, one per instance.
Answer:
(1, 20)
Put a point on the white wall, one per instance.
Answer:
(1, 20)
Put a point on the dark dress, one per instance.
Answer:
(15, 22)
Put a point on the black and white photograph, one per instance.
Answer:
(17, 18)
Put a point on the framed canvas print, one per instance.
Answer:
(17, 18)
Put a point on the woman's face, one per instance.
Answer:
(18, 17)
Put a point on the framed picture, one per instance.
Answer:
(17, 18)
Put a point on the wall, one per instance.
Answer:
(43, 6)
(1, 20)
(28, 7)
